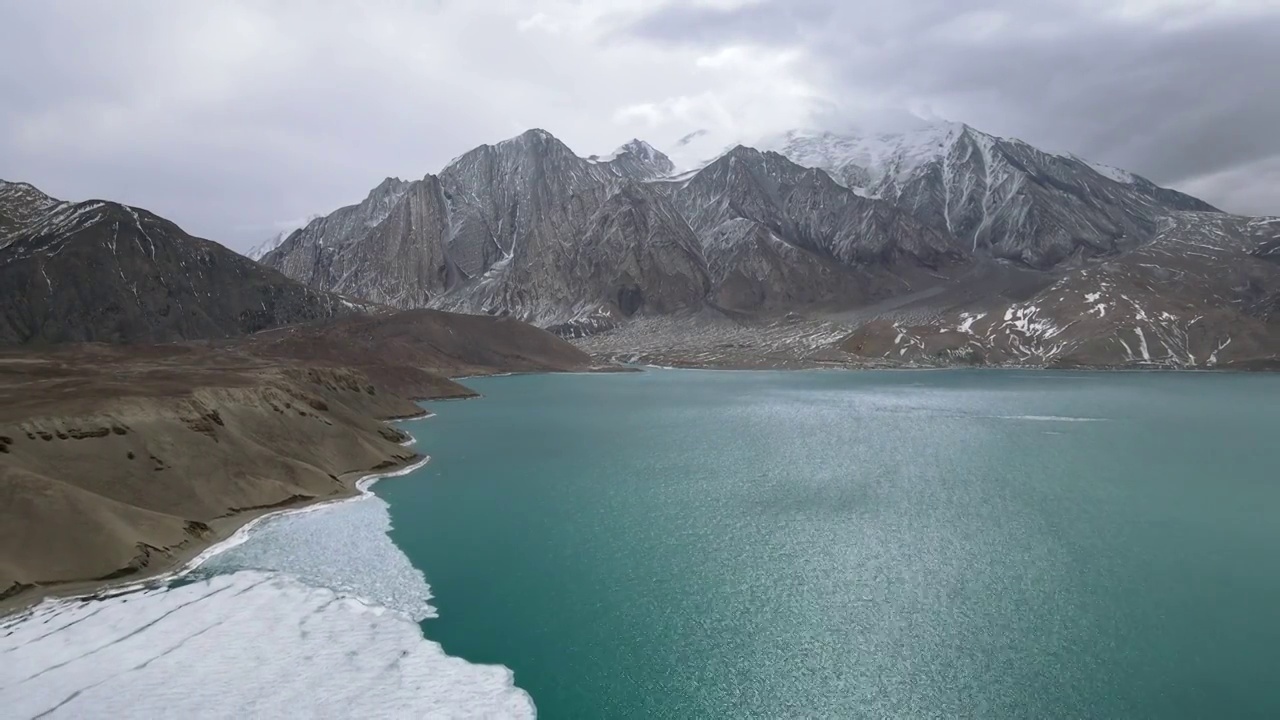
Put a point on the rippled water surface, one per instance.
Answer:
(912, 544)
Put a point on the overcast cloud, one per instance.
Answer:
(234, 117)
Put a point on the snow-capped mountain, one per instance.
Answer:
(866, 162)
(1000, 196)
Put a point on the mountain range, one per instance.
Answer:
(899, 248)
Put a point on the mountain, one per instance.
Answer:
(998, 195)
(527, 228)
(808, 210)
(539, 233)
(102, 271)
(489, 235)
(258, 251)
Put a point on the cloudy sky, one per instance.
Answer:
(237, 117)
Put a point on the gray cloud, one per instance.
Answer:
(234, 117)
(1184, 92)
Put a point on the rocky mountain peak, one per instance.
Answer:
(638, 160)
(742, 157)
(530, 152)
(640, 149)
(16, 187)
(389, 189)
(1003, 197)
(535, 140)
(20, 203)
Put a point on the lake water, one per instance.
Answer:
(720, 544)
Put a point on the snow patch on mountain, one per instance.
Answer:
(863, 161)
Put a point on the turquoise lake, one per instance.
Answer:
(681, 544)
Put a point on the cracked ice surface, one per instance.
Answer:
(313, 616)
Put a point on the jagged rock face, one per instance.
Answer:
(517, 202)
(808, 210)
(396, 258)
(1002, 197)
(753, 269)
(101, 271)
(634, 255)
(308, 254)
(1201, 294)
(639, 255)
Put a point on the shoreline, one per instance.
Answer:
(841, 367)
(227, 533)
